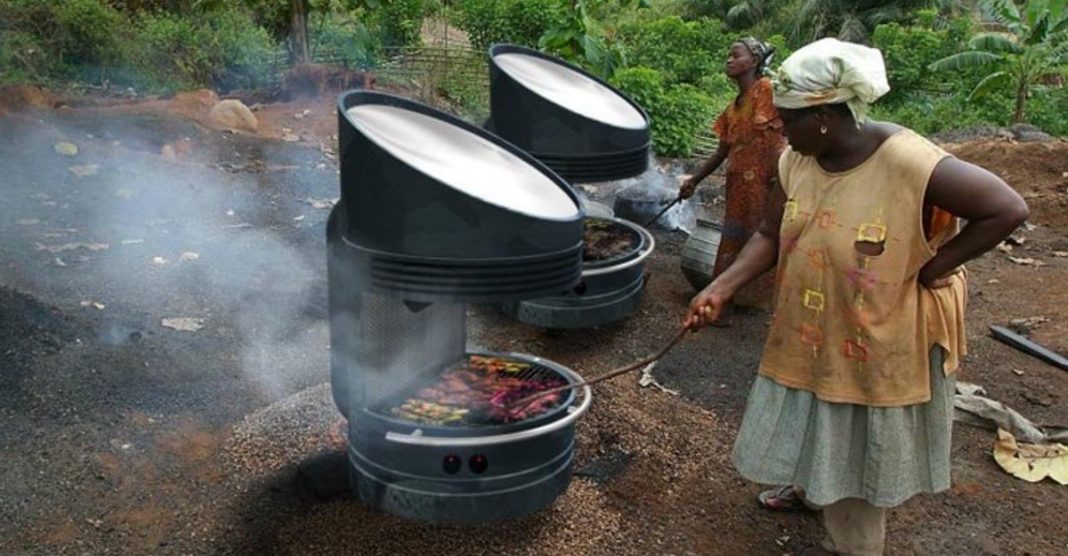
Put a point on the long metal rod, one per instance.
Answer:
(610, 374)
(664, 211)
(1031, 348)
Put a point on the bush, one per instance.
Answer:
(227, 48)
(677, 112)
(89, 32)
(685, 51)
(246, 50)
(908, 53)
(344, 41)
(399, 22)
(521, 22)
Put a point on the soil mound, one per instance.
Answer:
(1038, 171)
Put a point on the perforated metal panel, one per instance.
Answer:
(393, 342)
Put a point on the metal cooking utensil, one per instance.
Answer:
(610, 374)
(663, 211)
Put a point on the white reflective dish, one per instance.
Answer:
(571, 90)
(463, 160)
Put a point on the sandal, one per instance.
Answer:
(783, 499)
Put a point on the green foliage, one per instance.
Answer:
(587, 34)
(521, 22)
(684, 51)
(92, 41)
(908, 52)
(676, 112)
(168, 51)
(1031, 45)
(344, 40)
(400, 21)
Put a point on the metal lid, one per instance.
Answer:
(574, 122)
(438, 209)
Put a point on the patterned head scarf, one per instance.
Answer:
(830, 71)
(762, 51)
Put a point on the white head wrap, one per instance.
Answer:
(830, 71)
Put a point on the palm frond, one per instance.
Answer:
(1004, 11)
(988, 84)
(1034, 10)
(1061, 25)
(995, 42)
(1039, 31)
(740, 14)
(883, 14)
(852, 29)
(1056, 8)
(965, 60)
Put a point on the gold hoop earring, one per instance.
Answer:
(823, 130)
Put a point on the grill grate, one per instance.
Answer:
(476, 392)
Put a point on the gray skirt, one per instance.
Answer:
(884, 455)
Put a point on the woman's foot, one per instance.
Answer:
(783, 499)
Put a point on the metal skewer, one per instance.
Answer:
(663, 211)
(610, 374)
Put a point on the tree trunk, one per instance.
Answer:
(298, 10)
(1021, 104)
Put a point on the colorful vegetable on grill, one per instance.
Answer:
(478, 391)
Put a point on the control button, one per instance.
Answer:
(581, 288)
(452, 464)
(478, 464)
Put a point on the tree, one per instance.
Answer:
(850, 20)
(749, 13)
(586, 36)
(1028, 48)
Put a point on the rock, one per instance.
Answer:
(200, 97)
(20, 97)
(233, 114)
(1026, 133)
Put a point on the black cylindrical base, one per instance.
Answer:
(416, 482)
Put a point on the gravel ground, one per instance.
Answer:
(132, 438)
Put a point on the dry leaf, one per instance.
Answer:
(1060, 254)
(95, 304)
(321, 203)
(1004, 247)
(188, 256)
(1028, 323)
(72, 247)
(1027, 262)
(66, 148)
(83, 170)
(159, 260)
(1031, 462)
(184, 324)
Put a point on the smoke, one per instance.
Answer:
(143, 233)
(640, 198)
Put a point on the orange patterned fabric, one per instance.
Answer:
(753, 129)
(852, 323)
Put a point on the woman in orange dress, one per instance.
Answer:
(750, 141)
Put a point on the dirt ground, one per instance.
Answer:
(123, 435)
